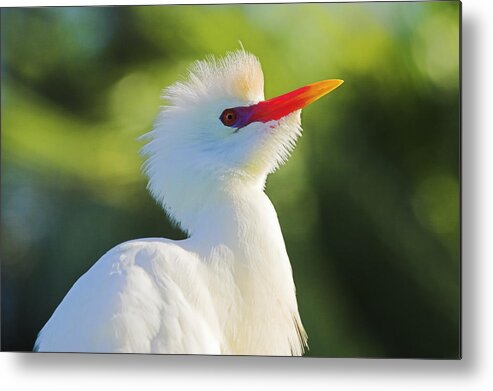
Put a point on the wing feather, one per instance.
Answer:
(144, 296)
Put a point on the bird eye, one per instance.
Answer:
(229, 117)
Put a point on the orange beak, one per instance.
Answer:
(280, 106)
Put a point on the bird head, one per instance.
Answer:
(218, 131)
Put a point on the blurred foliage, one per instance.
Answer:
(368, 203)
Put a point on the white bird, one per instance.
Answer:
(228, 288)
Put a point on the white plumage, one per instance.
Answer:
(228, 288)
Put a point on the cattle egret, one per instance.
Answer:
(228, 288)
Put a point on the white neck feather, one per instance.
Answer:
(240, 240)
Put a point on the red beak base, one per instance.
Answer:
(280, 106)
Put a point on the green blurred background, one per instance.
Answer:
(368, 203)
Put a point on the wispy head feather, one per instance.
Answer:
(192, 154)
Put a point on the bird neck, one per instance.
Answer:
(237, 215)
(240, 241)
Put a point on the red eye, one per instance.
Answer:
(229, 117)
